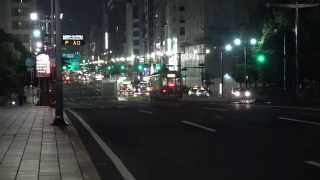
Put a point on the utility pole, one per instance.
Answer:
(297, 6)
(59, 120)
(221, 71)
(284, 63)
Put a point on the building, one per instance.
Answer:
(15, 19)
(135, 30)
(115, 24)
(196, 32)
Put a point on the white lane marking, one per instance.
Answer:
(216, 109)
(145, 112)
(300, 121)
(199, 126)
(125, 173)
(313, 163)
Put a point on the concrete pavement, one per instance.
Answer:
(32, 149)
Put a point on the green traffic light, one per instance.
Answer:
(261, 58)
(140, 67)
(158, 67)
(122, 67)
(64, 67)
(109, 68)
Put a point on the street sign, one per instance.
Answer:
(73, 40)
(73, 59)
(43, 65)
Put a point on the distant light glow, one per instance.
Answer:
(253, 41)
(237, 42)
(34, 16)
(106, 40)
(228, 47)
(208, 51)
(38, 44)
(36, 33)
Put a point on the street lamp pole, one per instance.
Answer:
(221, 71)
(59, 120)
(245, 65)
(297, 6)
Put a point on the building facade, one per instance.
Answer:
(15, 19)
(197, 32)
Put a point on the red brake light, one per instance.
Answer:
(164, 90)
(171, 85)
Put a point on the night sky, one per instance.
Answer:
(79, 15)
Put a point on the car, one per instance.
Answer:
(198, 91)
(193, 91)
(243, 95)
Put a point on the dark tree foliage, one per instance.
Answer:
(12, 68)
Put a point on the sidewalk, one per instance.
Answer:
(32, 149)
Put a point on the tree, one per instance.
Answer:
(12, 68)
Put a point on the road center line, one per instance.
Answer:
(199, 126)
(313, 163)
(145, 112)
(300, 121)
(125, 173)
(216, 109)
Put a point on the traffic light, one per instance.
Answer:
(140, 67)
(159, 67)
(122, 67)
(109, 68)
(261, 58)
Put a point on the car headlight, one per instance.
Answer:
(247, 93)
(236, 93)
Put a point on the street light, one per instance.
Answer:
(237, 42)
(252, 42)
(39, 44)
(36, 33)
(227, 48)
(34, 16)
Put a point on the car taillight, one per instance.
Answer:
(164, 90)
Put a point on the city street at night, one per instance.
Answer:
(197, 140)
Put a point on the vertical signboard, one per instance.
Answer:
(43, 65)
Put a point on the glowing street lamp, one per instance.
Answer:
(253, 41)
(228, 47)
(36, 33)
(38, 44)
(34, 16)
(237, 42)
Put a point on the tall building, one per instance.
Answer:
(135, 29)
(196, 31)
(115, 25)
(14, 19)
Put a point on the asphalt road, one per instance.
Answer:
(203, 140)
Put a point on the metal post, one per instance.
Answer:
(52, 22)
(297, 51)
(245, 65)
(59, 93)
(221, 72)
(284, 63)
